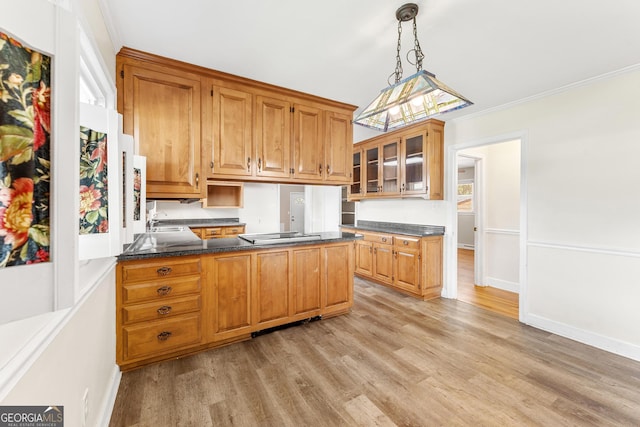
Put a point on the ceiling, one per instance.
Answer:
(492, 51)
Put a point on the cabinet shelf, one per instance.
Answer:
(222, 194)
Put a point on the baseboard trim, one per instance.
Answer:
(505, 285)
(611, 345)
(110, 398)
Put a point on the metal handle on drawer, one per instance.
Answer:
(165, 309)
(165, 290)
(164, 335)
(163, 271)
(384, 239)
(406, 242)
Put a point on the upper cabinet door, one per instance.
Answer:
(338, 148)
(162, 112)
(231, 133)
(308, 163)
(414, 163)
(390, 168)
(435, 165)
(272, 137)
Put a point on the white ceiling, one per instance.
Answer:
(491, 51)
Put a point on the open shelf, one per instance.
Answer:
(223, 194)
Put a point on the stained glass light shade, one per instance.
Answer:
(411, 100)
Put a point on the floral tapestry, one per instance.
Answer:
(25, 126)
(93, 182)
(137, 185)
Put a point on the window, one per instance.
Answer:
(465, 197)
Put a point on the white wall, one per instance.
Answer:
(81, 356)
(583, 233)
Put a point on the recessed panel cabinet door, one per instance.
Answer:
(407, 269)
(231, 295)
(383, 262)
(364, 257)
(273, 290)
(306, 280)
(162, 112)
(338, 279)
(338, 148)
(308, 154)
(232, 124)
(272, 137)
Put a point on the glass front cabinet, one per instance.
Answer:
(403, 163)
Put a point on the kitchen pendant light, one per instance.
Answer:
(415, 98)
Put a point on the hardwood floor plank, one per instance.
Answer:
(394, 360)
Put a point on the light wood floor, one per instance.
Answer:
(394, 360)
(493, 299)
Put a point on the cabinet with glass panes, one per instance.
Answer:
(403, 163)
(356, 189)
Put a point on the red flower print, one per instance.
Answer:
(41, 100)
(104, 226)
(42, 255)
(15, 213)
(89, 199)
(100, 153)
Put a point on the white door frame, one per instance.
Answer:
(450, 289)
(478, 207)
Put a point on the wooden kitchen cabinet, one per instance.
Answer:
(356, 189)
(404, 163)
(195, 123)
(218, 232)
(228, 131)
(337, 295)
(410, 264)
(273, 288)
(158, 309)
(231, 283)
(306, 265)
(161, 109)
(174, 306)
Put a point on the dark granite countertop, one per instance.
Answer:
(200, 222)
(163, 244)
(399, 228)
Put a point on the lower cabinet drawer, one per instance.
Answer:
(407, 242)
(155, 338)
(160, 289)
(161, 309)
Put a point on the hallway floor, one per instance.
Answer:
(492, 299)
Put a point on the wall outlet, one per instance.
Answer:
(85, 407)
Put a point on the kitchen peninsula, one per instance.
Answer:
(177, 294)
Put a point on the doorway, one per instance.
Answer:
(285, 194)
(488, 267)
(296, 211)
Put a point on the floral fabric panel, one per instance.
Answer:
(25, 126)
(137, 183)
(93, 182)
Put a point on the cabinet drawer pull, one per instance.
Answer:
(259, 164)
(248, 164)
(320, 167)
(164, 335)
(163, 271)
(384, 239)
(405, 242)
(165, 290)
(328, 168)
(164, 310)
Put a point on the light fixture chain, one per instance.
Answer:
(417, 49)
(398, 71)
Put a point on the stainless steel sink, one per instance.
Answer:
(277, 238)
(163, 239)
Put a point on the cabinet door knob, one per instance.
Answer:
(259, 164)
(197, 180)
(384, 239)
(211, 166)
(328, 168)
(320, 168)
(248, 164)
(165, 290)
(164, 335)
(405, 242)
(163, 271)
